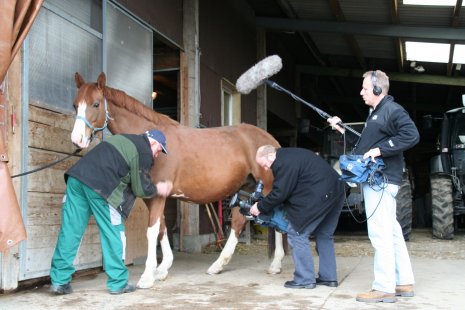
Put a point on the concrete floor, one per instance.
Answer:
(438, 267)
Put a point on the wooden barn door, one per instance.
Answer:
(69, 37)
(16, 18)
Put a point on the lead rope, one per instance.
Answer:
(47, 165)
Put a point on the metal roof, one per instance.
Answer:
(338, 40)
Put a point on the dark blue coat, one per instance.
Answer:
(390, 128)
(118, 169)
(306, 186)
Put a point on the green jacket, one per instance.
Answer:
(118, 169)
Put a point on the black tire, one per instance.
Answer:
(404, 207)
(442, 207)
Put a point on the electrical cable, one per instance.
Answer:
(376, 178)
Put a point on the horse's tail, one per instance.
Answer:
(271, 242)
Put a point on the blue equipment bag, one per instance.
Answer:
(277, 220)
(355, 169)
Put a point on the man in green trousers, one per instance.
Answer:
(105, 183)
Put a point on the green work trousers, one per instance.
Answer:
(79, 203)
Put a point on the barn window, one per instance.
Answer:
(459, 54)
(429, 52)
(230, 104)
(431, 2)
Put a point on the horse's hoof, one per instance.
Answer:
(145, 283)
(214, 270)
(161, 275)
(273, 271)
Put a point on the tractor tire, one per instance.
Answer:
(404, 207)
(442, 207)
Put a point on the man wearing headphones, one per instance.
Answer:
(388, 132)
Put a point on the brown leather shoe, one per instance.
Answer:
(405, 290)
(376, 296)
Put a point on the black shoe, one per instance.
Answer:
(327, 283)
(129, 288)
(61, 289)
(292, 284)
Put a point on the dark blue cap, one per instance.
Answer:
(159, 137)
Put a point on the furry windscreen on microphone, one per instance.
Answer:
(255, 76)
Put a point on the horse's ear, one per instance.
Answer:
(79, 80)
(101, 81)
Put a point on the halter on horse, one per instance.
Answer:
(204, 165)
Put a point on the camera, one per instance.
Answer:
(277, 219)
(245, 200)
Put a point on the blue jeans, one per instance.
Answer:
(391, 262)
(322, 228)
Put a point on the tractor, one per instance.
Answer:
(447, 175)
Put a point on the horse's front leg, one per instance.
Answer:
(161, 273)
(155, 229)
(238, 222)
(276, 266)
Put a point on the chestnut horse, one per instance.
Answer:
(205, 165)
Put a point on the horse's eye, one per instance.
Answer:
(96, 104)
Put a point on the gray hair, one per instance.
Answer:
(382, 80)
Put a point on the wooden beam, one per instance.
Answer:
(350, 39)
(398, 47)
(456, 15)
(165, 59)
(409, 105)
(262, 98)
(451, 57)
(454, 23)
(383, 30)
(307, 39)
(393, 76)
(290, 12)
(395, 12)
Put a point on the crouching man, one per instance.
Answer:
(105, 183)
(310, 193)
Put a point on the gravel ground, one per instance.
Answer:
(355, 244)
(245, 285)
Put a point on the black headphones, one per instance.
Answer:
(376, 89)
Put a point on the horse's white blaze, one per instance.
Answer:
(148, 277)
(225, 255)
(78, 135)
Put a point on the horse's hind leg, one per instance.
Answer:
(237, 224)
(276, 266)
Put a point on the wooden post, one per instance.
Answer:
(261, 90)
(189, 240)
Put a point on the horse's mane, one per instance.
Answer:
(131, 104)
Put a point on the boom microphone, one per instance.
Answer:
(260, 73)
(255, 76)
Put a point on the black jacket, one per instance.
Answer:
(305, 184)
(118, 169)
(390, 128)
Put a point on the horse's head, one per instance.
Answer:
(91, 110)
